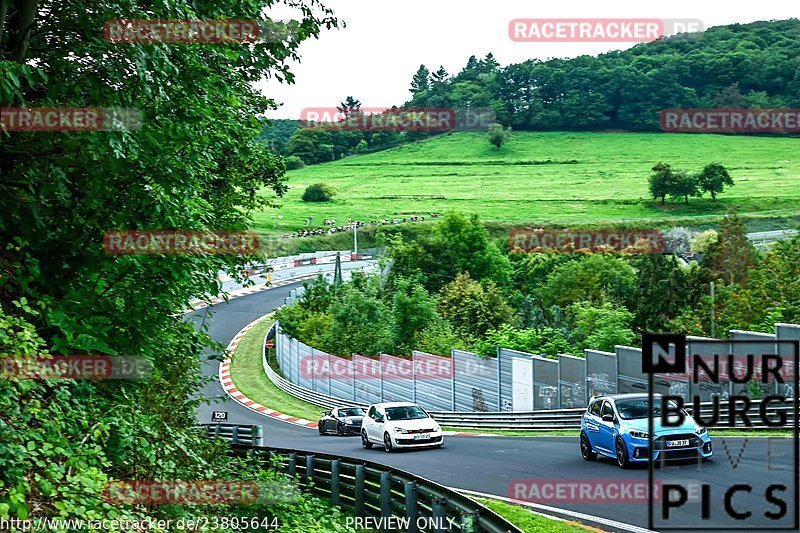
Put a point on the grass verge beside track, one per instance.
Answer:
(247, 374)
(531, 522)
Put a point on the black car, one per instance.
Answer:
(342, 421)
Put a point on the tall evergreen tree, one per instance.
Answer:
(421, 81)
(733, 257)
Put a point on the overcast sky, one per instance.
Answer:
(384, 43)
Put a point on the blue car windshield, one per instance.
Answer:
(633, 408)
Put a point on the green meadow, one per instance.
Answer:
(559, 178)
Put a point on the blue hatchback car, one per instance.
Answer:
(616, 426)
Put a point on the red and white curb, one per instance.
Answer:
(199, 304)
(236, 394)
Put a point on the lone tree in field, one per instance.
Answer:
(713, 179)
(684, 184)
(498, 135)
(661, 181)
(318, 192)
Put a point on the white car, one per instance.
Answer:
(400, 425)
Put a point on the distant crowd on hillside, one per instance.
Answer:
(330, 226)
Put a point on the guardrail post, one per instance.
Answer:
(292, 465)
(439, 520)
(386, 497)
(335, 482)
(309, 469)
(235, 436)
(411, 505)
(258, 438)
(359, 489)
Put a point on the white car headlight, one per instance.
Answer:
(400, 430)
(348, 420)
(640, 434)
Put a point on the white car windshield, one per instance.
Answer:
(633, 408)
(411, 412)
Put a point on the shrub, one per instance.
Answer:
(318, 192)
(293, 163)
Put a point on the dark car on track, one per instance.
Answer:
(341, 420)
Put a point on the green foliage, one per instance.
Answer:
(713, 179)
(660, 182)
(318, 192)
(456, 244)
(684, 184)
(293, 163)
(497, 135)
(542, 341)
(664, 288)
(412, 310)
(766, 293)
(472, 308)
(731, 258)
(601, 327)
(702, 241)
(438, 337)
(594, 278)
(626, 89)
(196, 163)
(361, 324)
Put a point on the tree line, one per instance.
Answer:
(676, 183)
(736, 66)
(456, 288)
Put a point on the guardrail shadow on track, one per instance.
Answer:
(371, 489)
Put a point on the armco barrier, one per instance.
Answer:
(375, 490)
(248, 435)
(538, 420)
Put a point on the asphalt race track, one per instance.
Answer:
(493, 464)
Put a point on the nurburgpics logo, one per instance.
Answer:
(719, 386)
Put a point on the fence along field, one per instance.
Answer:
(550, 177)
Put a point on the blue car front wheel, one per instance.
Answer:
(586, 448)
(622, 454)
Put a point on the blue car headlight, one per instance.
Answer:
(640, 435)
(700, 431)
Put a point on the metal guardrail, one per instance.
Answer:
(248, 435)
(372, 489)
(542, 420)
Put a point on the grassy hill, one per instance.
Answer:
(545, 177)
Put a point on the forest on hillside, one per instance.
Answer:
(753, 65)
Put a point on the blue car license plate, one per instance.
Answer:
(677, 443)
